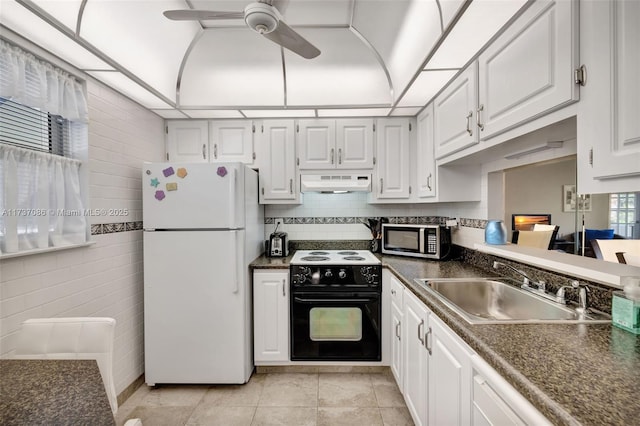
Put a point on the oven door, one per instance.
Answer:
(335, 326)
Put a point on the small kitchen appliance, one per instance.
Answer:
(425, 241)
(336, 309)
(278, 244)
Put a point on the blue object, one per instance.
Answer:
(598, 234)
(495, 232)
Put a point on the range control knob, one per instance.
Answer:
(342, 274)
(328, 273)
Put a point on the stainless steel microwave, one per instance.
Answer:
(424, 241)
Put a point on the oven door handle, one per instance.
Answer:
(354, 300)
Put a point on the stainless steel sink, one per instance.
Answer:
(493, 301)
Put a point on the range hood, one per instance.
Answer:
(335, 182)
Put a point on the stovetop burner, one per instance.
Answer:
(314, 258)
(318, 253)
(354, 258)
(347, 253)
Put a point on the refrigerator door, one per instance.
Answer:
(195, 304)
(193, 196)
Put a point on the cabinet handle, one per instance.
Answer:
(290, 186)
(204, 151)
(340, 156)
(469, 123)
(215, 150)
(283, 290)
(381, 185)
(332, 154)
(478, 122)
(428, 340)
(429, 181)
(393, 292)
(398, 331)
(420, 326)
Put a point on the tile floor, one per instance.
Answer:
(298, 399)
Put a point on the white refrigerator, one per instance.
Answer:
(202, 227)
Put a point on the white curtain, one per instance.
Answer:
(38, 84)
(41, 200)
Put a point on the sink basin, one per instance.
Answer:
(494, 301)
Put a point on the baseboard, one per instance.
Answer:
(130, 390)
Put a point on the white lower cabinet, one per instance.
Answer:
(415, 377)
(270, 316)
(444, 382)
(496, 402)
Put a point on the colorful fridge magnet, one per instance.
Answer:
(182, 172)
(160, 195)
(155, 182)
(222, 171)
(168, 171)
(172, 186)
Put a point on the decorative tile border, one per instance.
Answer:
(112, 228)
(436, 220)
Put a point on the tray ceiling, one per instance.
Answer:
(379, 57)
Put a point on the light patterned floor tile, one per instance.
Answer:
(285, 416)
(349, 416)
(345, 390)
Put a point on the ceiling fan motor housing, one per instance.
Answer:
(261, 17)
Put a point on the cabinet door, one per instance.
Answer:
(528, 71)
(278, 178)
(354, 143)
(608, 125)
(188, 141)
(271, 316)
(425, 161)
(397, 290)
(392, 153)
(454, 113)
(231, 140)
(316, 144)
(415, 358)
(449, 377)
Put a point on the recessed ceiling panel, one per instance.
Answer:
(405, 112)
(213, 113)
(279, 113)
(138, 36)
(232, 66)
(449, 9)
(65, 11)
(346, 72)
(130, 88)
(479, 23)
(29, 26)
(169, 113)
(315, 12)
(356, 112)
(425, 87)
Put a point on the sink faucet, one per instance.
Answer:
(526, 282)
(582, 299)
(560, 296)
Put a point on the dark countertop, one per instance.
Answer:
(572, 373)
(52, 392)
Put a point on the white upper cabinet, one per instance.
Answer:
(529, 70)
(316, 144)
(393, 159)
(354, 142)
(425, 170)
(335, 144)
(278, 175)
(231, 140)
(188, 141)
(454, 112)
(609, 109)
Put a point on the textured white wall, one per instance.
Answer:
(104, 279)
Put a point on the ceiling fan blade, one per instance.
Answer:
(200, 15)
(286, 37)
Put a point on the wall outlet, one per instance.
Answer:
(278, 222)
(452, 223)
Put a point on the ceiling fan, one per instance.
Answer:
(262, 18)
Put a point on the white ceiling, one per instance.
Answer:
(379, 57)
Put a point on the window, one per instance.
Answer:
(624, 214)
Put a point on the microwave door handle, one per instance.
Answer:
(421, 249)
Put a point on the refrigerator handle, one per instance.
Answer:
(238, 255)
(232, 198)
